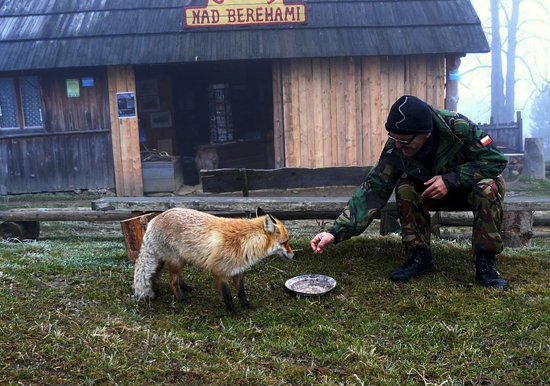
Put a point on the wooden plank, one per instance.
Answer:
(133, 136)
(115, 130)
(316, 108)
(290, 156)
(418, 76)
(295, 98)
(338, 77)
(229, 180)
(278, 115)
(304, 74)
(440, 101)
(326, 112)
(358, 113)
(365, 111)
(376, 122)
(385, 103)
(349, 98)
(333, 64)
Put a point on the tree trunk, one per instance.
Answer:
(133, 230)
(497, 82)
(511, 62)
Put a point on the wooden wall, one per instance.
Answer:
(332, 111)
(125, 133)
(88, 112)
(56, 163)
(74, 149)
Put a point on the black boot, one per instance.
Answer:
(419, 263)
(486, 272)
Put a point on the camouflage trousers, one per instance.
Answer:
(484, 199)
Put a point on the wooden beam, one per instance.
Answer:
(125, 135)
(64, 215)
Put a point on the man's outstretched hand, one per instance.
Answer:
(320, 242)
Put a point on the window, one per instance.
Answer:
(20, 103)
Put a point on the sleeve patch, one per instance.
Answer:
(486, 140)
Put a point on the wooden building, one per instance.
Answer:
(86, 85)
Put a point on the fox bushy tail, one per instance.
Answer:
(146, 272)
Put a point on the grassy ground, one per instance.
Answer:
(67, 316)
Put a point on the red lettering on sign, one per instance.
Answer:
(231, 16)
(289, 12)
(205, 17)
(278, 15)
(249, 14)
(240, 16)
(259, 14)
(196, 15)
(215, 16)
(269, 14)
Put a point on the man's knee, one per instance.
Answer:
(407, 191)
(487, 189)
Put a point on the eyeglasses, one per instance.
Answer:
(403, 141)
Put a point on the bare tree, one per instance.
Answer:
(503, 94)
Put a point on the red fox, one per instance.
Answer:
(226, 247)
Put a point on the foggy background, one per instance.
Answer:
(532, 62)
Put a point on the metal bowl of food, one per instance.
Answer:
(310, 285)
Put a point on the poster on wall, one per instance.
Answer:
(162, 119)
(126, 104)
(73, 88)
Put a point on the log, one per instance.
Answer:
(64, 215)
(517, 229)
(133, 230)
(533, 166)
(20, 230)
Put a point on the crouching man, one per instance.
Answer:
(432, 158)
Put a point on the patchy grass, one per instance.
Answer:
(529, 186)
(67, 317)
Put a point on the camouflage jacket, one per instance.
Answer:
(465, 155)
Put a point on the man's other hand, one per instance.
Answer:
(437, 188)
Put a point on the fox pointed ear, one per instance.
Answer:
(260, 212)
(269, 224)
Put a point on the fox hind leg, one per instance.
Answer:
(223, 287)
(175, 284)
(238, 281)
(184, 286)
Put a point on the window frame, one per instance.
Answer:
(19, 105)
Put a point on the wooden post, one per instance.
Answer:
(244, 182)
(533, 166)
(133, 230)
(125, 135)
(517, 229)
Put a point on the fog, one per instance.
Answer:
(532, 63)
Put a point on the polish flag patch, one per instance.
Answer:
(486, 140)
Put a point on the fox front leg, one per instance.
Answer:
(223, 287)
(238, 281)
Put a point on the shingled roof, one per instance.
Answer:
(36, 34)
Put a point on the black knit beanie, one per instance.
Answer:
(409, 115)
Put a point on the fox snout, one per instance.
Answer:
(285, 252)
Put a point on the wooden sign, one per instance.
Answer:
(218, 13)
